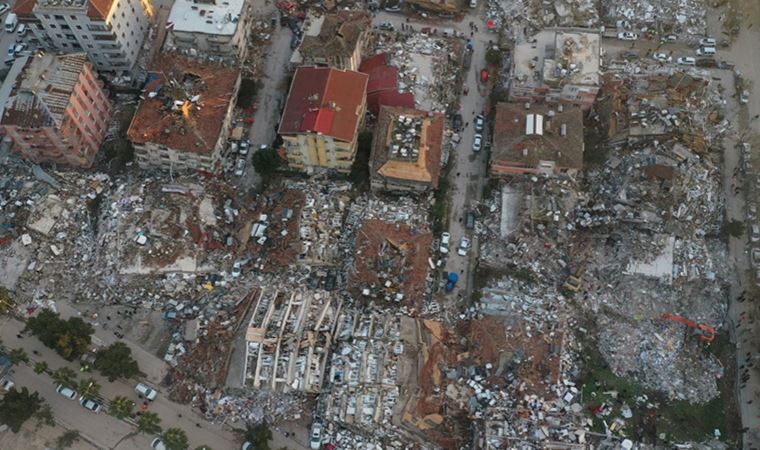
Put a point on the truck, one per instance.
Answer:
(451, 281)
(10, 22)
(467, 60)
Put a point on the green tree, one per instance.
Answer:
(121, 407)
(266, 161)
(259, 435)
(67, 439)
(89, 388)
(493, 57)
(247, 92)
(149, 423)
(18, 406)
(40, 367)
(6, 302)
(44, 416)
(18, 355)
(70, 338)
(175, 439)
(733, 228)
(65, 376)
(116, 361)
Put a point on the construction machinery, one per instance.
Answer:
(704, 332)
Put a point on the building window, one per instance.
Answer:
(47, 16)
(65, 27)
(73, 17)
(52, 25)
(79, 27)
(58, 17)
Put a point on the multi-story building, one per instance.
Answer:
(336, 40)
(536, 139)
(55, 109)
(556, 66)
(210, 27)
(183, 121)
(406, 150)
(111, 32)
(323, 114)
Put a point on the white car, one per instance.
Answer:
(662, 57)
(744, 97)
(445, 240)
(477, 143)
(157, 444)
(315, 439)
(3, 7)
(686, 61)
(66, 392)
(707, 42)
(237, 269)
(627, 36)
(479, 122)
(143, 390)
(464, 245)
(756, 257)
(92, 405)
(754, 233)
(240, 167)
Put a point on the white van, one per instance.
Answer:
(10, 22)
(22, 29)
(144, 390)
(706, 51)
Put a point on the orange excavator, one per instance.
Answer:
(704, 332)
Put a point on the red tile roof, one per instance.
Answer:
(98, 9)
(174, 116)
(389, 98)
(371, 63)
(325, 100)
(382, 78)
(24, 8)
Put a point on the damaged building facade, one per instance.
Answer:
(557, 66)
(210, 28)
(56, 110)
(336, 40)
(406, 150)
(110, 32)
(323, 114)
(184, 119)
(537, 139)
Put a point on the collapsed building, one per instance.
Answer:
(557, 66)
(288, 339)
(54, 109)
(335, 40)
(184, 116)
(406, 150)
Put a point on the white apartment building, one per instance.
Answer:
(209, 27)
(111, 32)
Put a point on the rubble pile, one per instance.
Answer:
(686, 18)
(522, 18)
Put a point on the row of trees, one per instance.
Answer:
(69, 338)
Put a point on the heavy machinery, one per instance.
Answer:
(704, 332)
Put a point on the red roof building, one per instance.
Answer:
(322, 117)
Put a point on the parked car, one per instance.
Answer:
(477, 143)
(66, 392)
(686, 61)
(744, 97)
(480, 122)
(706, 51)
(469, 220)
(387, 26)
(707, 42)
(294, 41)
(7, 385)
(456, 122)
(3, 7)
(157, 444)
(143, 390)
(90, 404)
(473, 4)
(464, 245)
(751, 212)
(627, 36)
(756, 257)
(315, 439)
(246, 446)
(624, 24)
(240, 167)
(662, 57)
(445, 240)
(394, 8)
(237, 269)
(244, 146)
(12, 50)
(22, 29)
(754, 232)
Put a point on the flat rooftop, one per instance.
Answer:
(558, 57)
(184, 104)
(216, 17)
